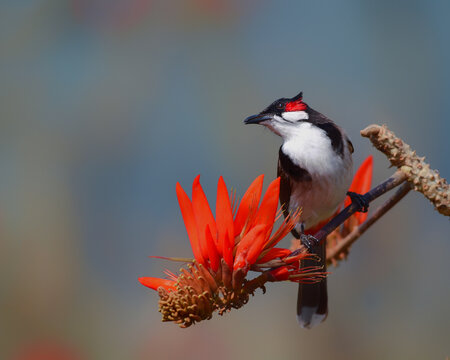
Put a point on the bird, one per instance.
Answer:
(315, 167)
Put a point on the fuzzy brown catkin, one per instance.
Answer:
(418, 172)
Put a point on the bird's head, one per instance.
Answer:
(283, 116)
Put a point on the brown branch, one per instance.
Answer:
(417, 171)
(342, 247)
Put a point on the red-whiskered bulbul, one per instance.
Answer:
(315, 166)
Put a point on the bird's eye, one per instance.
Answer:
(279, 105)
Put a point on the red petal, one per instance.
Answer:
(361, 184)
(224, 218)
(228, 251)
(293, 261)
(281, 273)
(249, 204)
(155, 283)
(213, 254)
(190, 223)
(203, 215)
(273, 254)
(363, 178)
(268, 209)
(250, 247)
(285, 228)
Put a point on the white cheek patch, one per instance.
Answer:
(278, 118)
(295, 115)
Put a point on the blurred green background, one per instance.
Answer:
(105, 104)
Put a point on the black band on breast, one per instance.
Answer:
(294, 171)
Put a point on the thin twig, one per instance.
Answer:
(396, 179)
(345, 243)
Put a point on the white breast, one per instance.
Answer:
(310, 148)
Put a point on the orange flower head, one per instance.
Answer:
(225, 248)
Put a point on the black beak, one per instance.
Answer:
(256, 119)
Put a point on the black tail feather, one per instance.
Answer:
(312, 301)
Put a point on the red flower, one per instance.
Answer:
(226, 247)
(243, 241)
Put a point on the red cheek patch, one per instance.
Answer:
(296, 106)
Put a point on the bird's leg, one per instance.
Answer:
(307, 241)
(359, 200)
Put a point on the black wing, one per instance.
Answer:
(288, 173)
(285, 194)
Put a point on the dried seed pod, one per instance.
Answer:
(425, 180)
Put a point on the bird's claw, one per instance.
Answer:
(308, 241)
(360, 200)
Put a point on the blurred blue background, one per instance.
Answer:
(104, 105)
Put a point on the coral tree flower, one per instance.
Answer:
(226, 247)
